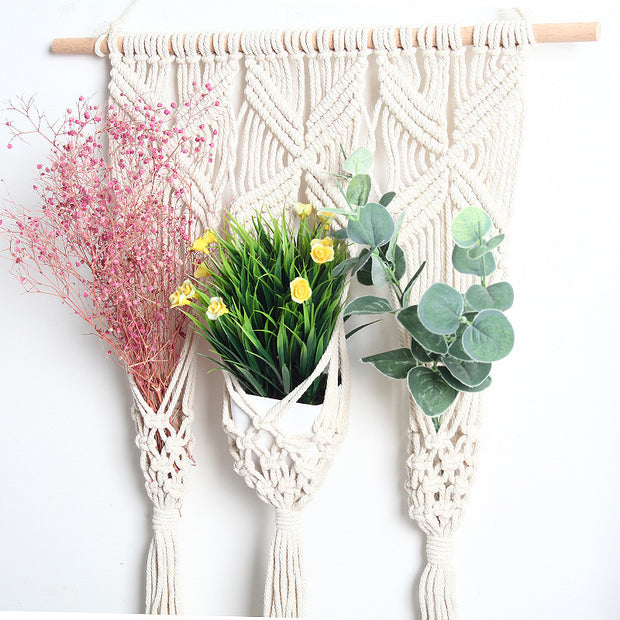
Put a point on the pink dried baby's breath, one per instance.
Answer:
(107, 239)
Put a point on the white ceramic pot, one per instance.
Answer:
(299, 419)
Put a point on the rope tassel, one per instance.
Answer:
(285, 584)
(164, 439)
(437, 590)
(161, 565)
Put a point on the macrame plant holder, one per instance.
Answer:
(286, 469)
(164, 436)
(453, 122)
(164, 439)
(446, 121)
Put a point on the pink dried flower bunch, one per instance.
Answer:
(110, 232)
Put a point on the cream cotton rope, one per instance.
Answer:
(286, 469)
(443, 157)
(164, 439)
(446, 121)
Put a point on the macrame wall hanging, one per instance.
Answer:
(448, 123)
(446, 120)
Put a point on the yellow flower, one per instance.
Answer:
(174, 299)
(322, 250)
(303, 209)
(200, 244)
(202, 271)
(216, 308)
(326, 241)
(300, 290)
(187, 290)
(182, 295)
(325, 217)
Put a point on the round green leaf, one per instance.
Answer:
(394, 364)
(485, 265)
(498, 296)
(374, 226)
(470, 373)
(408, 317)
(432, 394)
(489, 338)
(358, 190)
(470, 226)
(359, 162)
(440, 309)
(461, 387)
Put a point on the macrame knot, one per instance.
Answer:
(165, 519)
(288, 520)
(439, 550)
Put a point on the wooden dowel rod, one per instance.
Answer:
(543, 33)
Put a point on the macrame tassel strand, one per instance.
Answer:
(285, 583)
(437, 590)
(161, 565)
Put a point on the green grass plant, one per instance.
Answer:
(268, 341)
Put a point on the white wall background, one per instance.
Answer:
(540, 538)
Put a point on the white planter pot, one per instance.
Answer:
(298, 420)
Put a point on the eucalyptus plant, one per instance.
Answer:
(455, 337)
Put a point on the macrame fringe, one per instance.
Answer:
(285, 585)
(437, 589)
(161, 565)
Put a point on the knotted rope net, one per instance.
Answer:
(286, 469)
(164, 439)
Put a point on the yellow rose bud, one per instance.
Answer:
(300, 290)
(200, 244)
(216, 308)
(303, 209)
(187, 290)
(326, 241)
(174, 299)
(202, 271)
(322, 253)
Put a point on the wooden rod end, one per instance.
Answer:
(81, 45)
